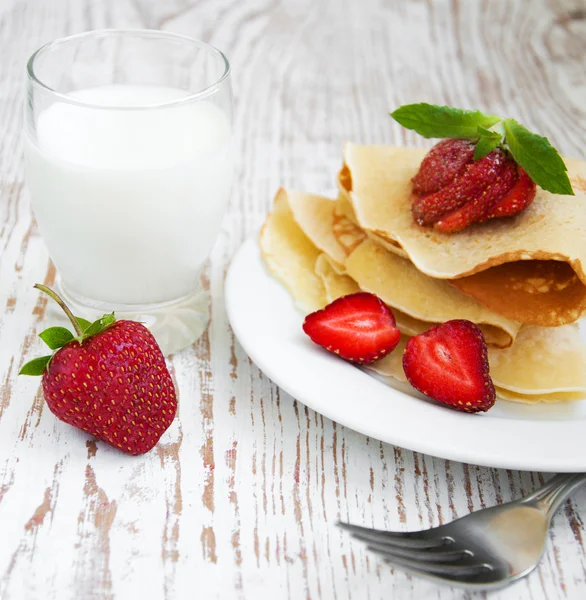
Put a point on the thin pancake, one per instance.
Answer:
(543, 398)
(337, 285)
(290, 255)
(543, 360)
(315, 215)
(392, 364)
(399, 284)
(344, 207)
(377, 182)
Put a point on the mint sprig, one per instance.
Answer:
(538, 157)
(432, 121)
(488, 140)
(531, 151)
(58, 337)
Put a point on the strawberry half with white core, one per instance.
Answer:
(360, 328)
(109, 379)
(449, 363)
(486, 168)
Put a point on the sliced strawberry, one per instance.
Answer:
(517, 199)
(467, 186)
(359, 327)
(441, 165)
(449, 363)
(479, 209)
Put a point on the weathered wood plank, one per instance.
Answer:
(241, 497)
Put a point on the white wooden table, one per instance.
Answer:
(241, 496)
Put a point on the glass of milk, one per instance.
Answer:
(129, 165)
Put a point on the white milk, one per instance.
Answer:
(129, 202)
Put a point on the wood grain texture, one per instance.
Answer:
(241, 496)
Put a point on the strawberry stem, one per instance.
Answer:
(64, 306)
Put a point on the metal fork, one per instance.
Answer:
(486, 549)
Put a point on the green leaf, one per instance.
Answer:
(538, 157)
(99, 325)
(432, 121)
(83, 323)
(93, 329)
(36, 366)
(489, 133)
(56, 337)
(487, 142)
(108, 320)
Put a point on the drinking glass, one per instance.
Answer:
(129, 165)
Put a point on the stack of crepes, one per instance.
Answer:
(522, 280)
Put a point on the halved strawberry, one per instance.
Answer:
(449, 363)
(441, 165)
(517, 199)
(360, 328)
(479, 209)
(466, 187)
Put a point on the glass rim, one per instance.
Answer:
(205, 92)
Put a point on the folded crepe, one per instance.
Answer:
(530, 268)
(421, 300)
(313, 279)
(543, 365)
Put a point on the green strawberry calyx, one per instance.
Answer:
(57, 337)
(531, 151)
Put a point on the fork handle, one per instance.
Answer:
(553, 494)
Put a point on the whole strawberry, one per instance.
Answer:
(470, 192)
(110, 380)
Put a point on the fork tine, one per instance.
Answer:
(459, 555)
(412, 540)
(422, 554)
(445, 570)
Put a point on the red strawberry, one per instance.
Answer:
(466, 187)
(441, 165)
(517, 199)
(359, 327)
(449, 363)
(453, 191)
(110, 380)
(478, 210)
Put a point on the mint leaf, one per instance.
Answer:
(485, 146)
(83, 323)
(538, 157)
(56, 337)
(432, 121)
(36, 366)
(487, 142)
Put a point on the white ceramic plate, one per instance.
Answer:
(515, 436)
